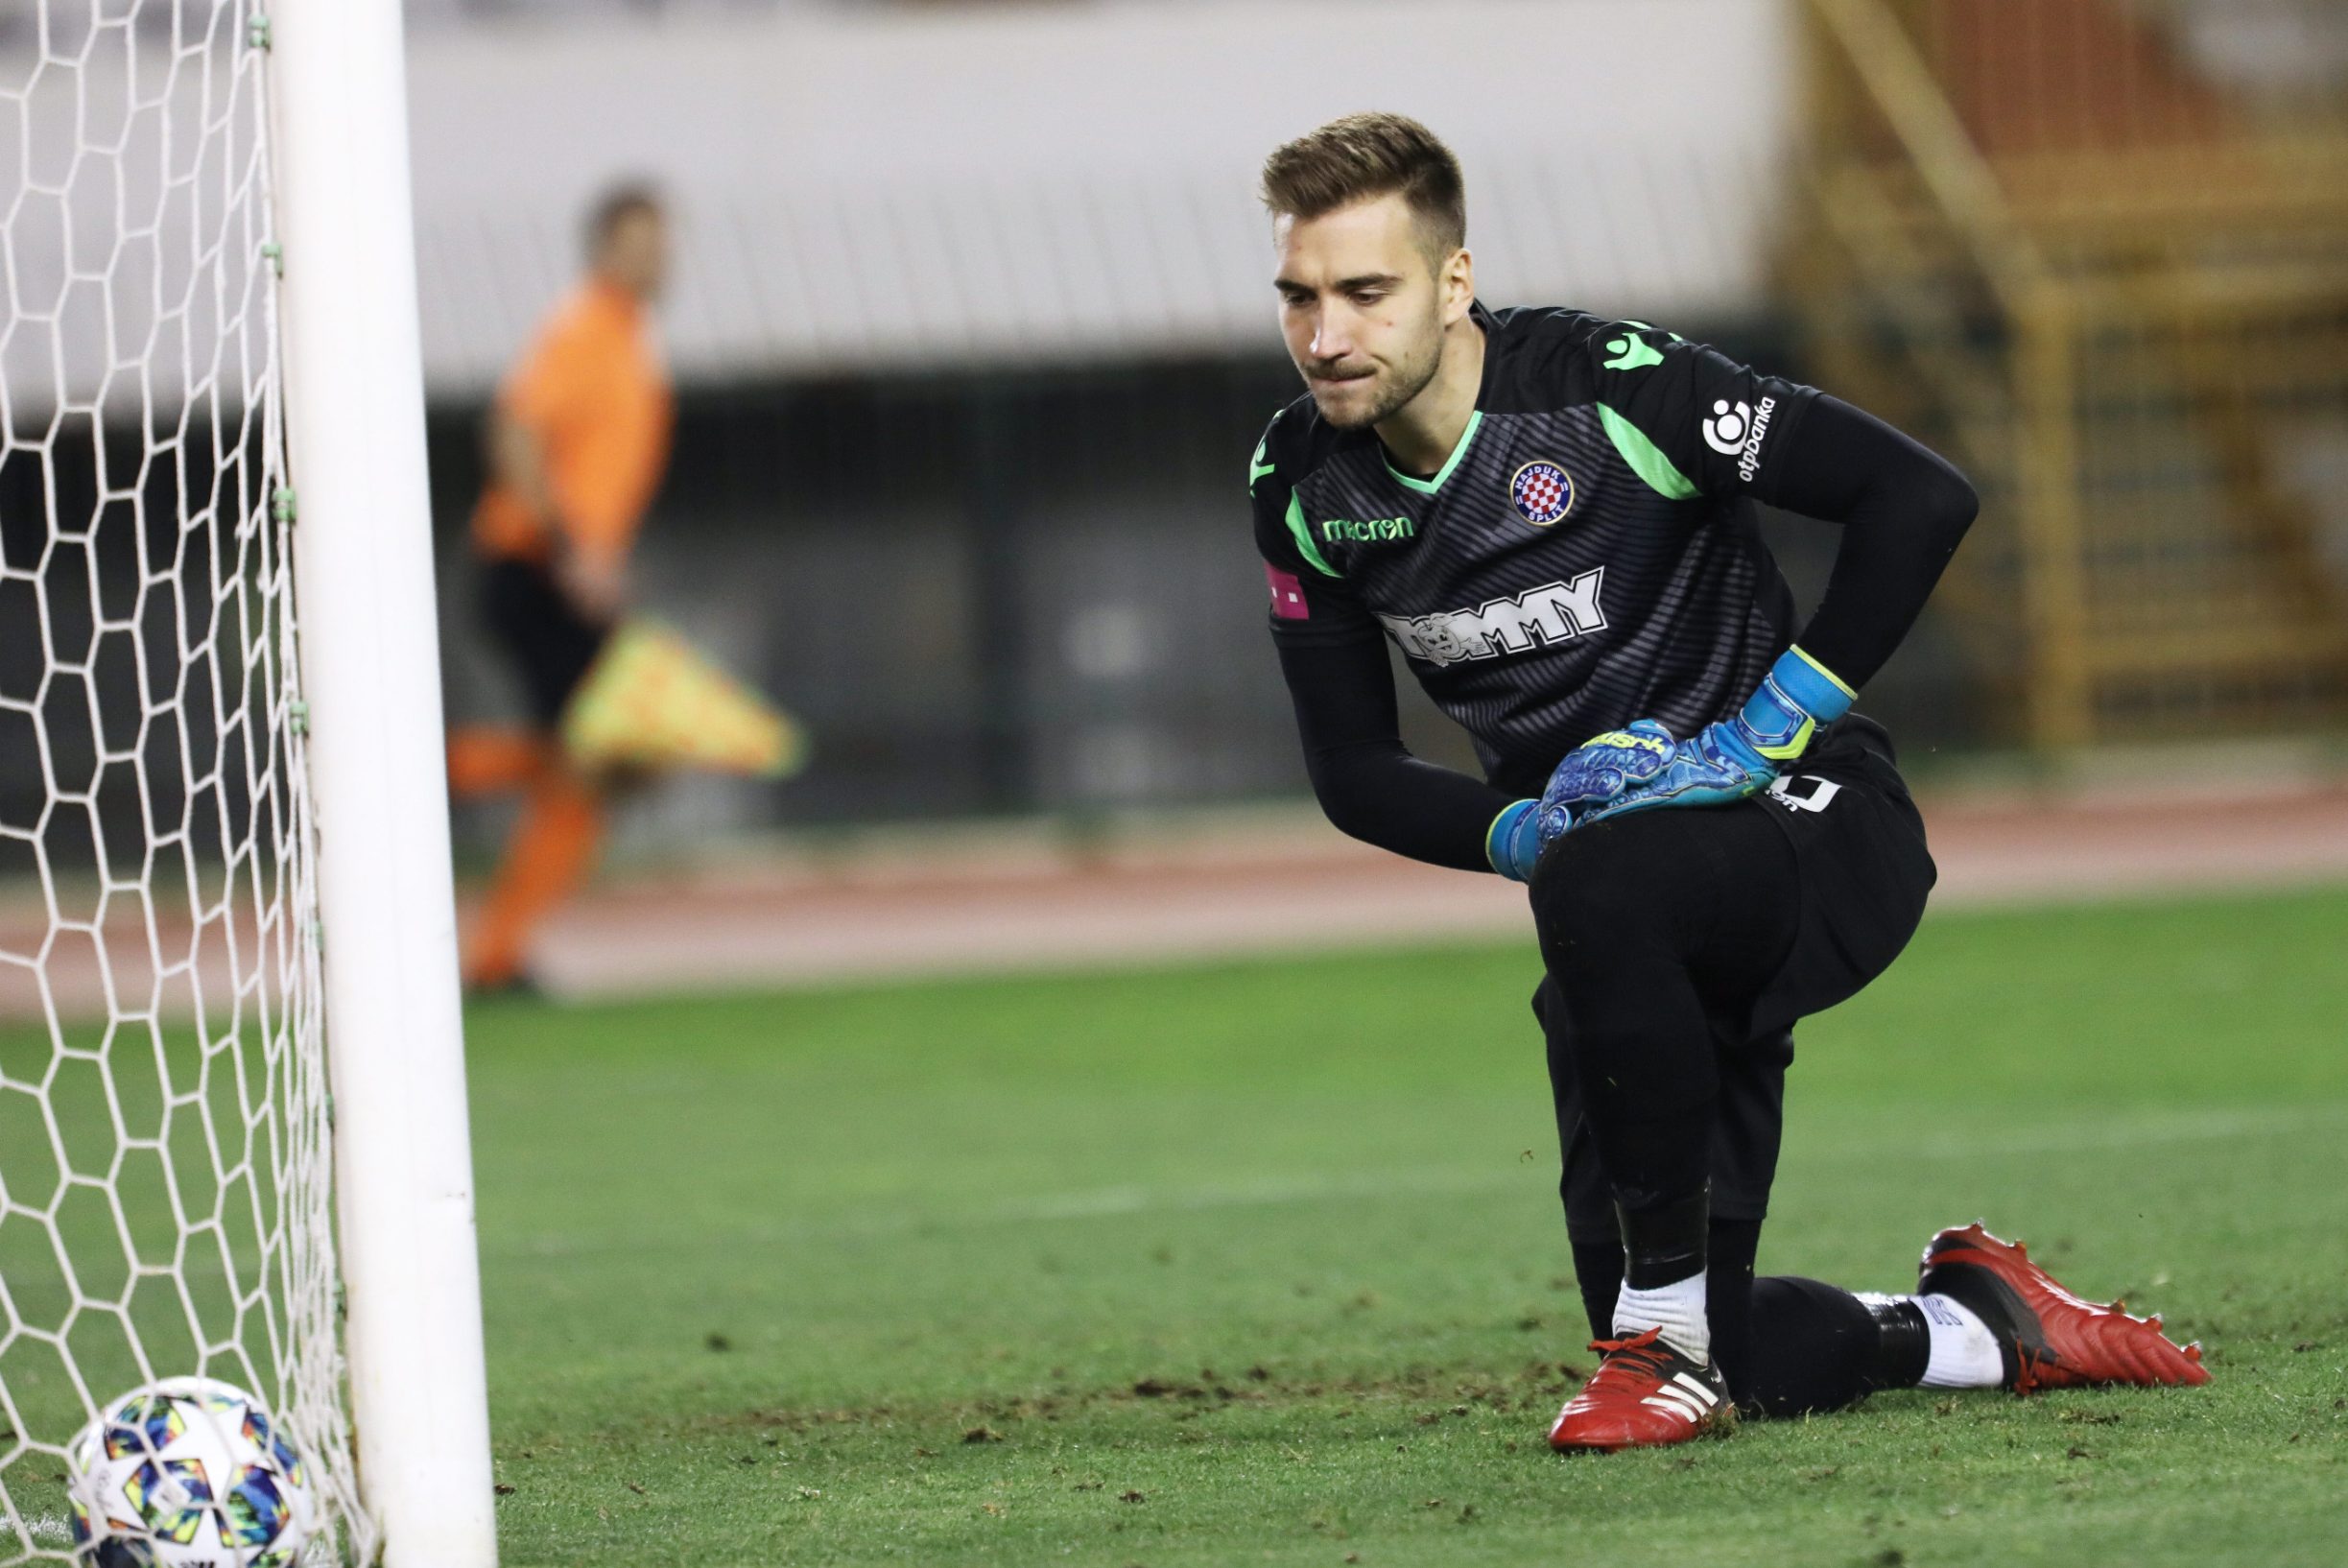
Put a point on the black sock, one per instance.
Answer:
(1665, 1242)
(1904, 1343)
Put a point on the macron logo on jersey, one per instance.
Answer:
(1552, 613)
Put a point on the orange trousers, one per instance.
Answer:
(552, 849)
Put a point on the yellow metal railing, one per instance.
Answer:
(2076, 308)
(1887, 64)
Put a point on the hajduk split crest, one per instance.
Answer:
(1543, 492)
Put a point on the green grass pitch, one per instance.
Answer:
(1262, 1263)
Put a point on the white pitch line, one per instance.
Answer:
(2106, 1133)
(1108, 1200)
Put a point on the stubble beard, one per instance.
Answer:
(1409, 378)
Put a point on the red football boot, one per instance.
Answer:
(2050, 1338)
(1644, 1395)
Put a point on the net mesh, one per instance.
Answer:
(164, 1179)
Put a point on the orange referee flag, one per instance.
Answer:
(651, 700)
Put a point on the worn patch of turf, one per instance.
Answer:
(1261, 1263)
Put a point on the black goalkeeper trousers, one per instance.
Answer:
(1681, 944)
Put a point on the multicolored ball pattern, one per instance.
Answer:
(189, 1470)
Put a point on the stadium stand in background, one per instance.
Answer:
(2115, 292)
(971, 330)
(960, 489)
(2101, 253)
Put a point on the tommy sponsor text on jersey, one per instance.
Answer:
(1588, 555)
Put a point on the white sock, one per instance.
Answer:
(1677, 1309)
(1964, 1351)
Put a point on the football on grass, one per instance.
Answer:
(187, 1473)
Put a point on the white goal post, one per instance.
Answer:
(233, 1136)
(370, 656)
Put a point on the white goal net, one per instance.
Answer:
(165, 1202)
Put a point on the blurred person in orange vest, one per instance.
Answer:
(577, 440)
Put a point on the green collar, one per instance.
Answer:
(1428, 486)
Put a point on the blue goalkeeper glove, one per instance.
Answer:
(1513, 842)
(1720, 762)
(1601, 768)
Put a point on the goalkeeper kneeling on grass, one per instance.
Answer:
(1553, 516)
(577, 440)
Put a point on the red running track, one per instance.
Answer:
(991, 900)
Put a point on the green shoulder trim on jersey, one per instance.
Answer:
(1645, 457)
(1257, 468)
(1631, 354)
(1303, 532)
(1428, 486)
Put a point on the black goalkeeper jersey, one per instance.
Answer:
(1588, 555)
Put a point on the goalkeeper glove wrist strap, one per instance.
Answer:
(1512, 843)
(1798, 697)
